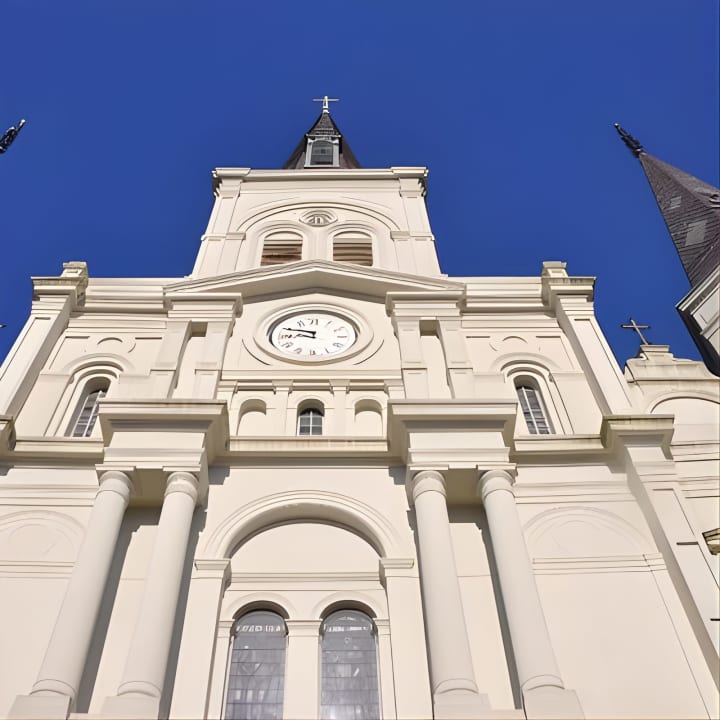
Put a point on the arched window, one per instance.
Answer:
(256, 680)
(353, 246)
(310, 421)
(280, 247)
(349, 672)
(533, 409)
(87, 412)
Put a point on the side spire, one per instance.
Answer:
(633, 143)
(690, 208)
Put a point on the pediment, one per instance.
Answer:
(308, 276)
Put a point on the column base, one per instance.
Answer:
(552, 703)
(48, 707)
(129, 707)
(462, 705)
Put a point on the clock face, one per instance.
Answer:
(313, 335)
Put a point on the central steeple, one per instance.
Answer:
(323, 145)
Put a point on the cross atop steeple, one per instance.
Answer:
(632, 325)
(325, 100)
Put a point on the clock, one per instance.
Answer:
(312, 335)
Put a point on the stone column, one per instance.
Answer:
(543, 691)
(452, 678)
(60, 674)
(143, 679)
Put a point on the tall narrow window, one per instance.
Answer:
(353, 247)
(281, 247)
(533, 410)
(87, 413)
(310, 421)
(256, 681)
(349, 673)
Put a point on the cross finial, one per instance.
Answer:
(325, 100)
(632, 325)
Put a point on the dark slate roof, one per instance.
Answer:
(690, 208)
(324, 127)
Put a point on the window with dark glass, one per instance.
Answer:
(322, 153)
(310, 422)
(533, 410)
(257, 668)
(349, 688)
(88, 412)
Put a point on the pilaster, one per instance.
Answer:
(571, 300)
(643, 441)
(54, 298)
(302, 657)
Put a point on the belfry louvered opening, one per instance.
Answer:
(353, 247)
(281, 247)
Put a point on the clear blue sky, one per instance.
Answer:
(510, 103)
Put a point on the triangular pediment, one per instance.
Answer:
(310, 276)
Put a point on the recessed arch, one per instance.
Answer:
(47, 535)
(324, 506)
(607, 533)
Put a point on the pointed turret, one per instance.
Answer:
(690, 208)
(323, 145)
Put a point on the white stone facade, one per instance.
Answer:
(507, 574)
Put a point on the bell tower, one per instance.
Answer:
(321, 206)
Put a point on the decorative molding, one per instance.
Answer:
(318, 218)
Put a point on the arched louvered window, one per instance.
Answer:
(349, 672)
(280, 247)
(322, 152)
(310, 421)
(353, 246)
(87, 412)
(256, 680)
(533, 409)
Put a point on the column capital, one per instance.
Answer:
(118, 482)
(425, 481)
(303, 628)
(184, 482)
(495, 479)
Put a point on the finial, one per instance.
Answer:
(325, 100)
(9, 135)
(633, 143)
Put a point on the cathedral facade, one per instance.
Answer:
(319, 478)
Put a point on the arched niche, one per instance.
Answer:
(368, 418)
(253, 418)
(696, 419)
(304, 546)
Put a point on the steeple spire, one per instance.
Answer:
(690, 208)
(323, 145)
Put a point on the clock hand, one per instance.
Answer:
(300, 330)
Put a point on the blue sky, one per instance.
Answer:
(510, 103)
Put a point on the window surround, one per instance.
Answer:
(310, 416)
(335, 152)
(80, 383)
(532, 405)
(253, 609)
(326, 652)
(288, 236)
(539, 378)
